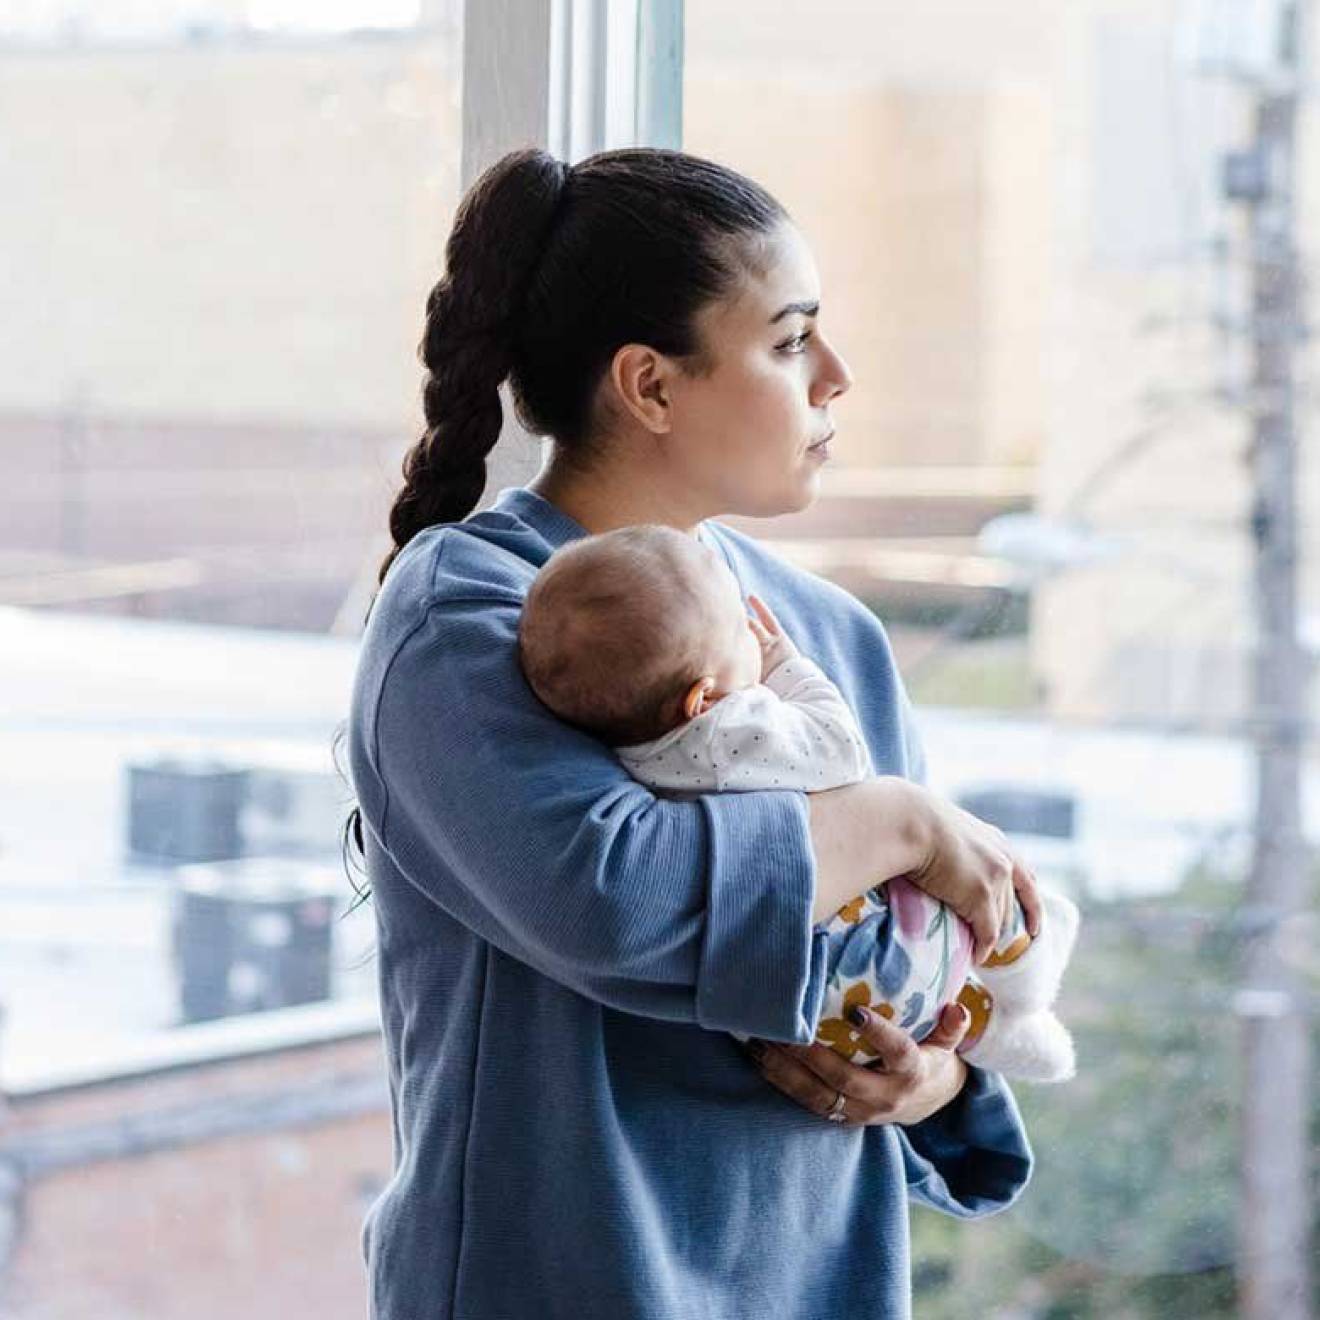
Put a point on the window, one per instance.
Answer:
(227, 227)
(1040, 228)
(1030, 260)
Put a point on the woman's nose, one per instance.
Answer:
(832, 378)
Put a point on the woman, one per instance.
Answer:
(560, 952)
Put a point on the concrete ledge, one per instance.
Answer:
(129, 1057)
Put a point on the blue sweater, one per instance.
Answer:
(561, 954)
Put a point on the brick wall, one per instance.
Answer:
(236, 1187)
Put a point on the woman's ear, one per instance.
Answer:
(698, 699)
(640, 379)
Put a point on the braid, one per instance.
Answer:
(467, 346)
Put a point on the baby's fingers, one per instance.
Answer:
(764, 615)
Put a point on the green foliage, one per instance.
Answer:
(982, 675)
(1131, 1212)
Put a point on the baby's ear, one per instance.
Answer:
(697, 700)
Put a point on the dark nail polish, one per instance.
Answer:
(857, 1015)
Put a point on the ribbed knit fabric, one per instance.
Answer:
(560, 956)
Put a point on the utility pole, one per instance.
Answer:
(1274, 1205)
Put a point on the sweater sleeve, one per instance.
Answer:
(533, 835)
(972, 1158)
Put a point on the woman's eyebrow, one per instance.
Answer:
(806, 308)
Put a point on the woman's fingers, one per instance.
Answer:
(1005, 899)
(872, 1090)
(881, 1091)
(785, 1069)
(972, 868)
(1003, 867)
(951, 1028)
(1015, 885)
(984, 919)
(897, 1050)
(1024, 886)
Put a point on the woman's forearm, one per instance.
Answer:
(862, 835)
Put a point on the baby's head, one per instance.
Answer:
(632, 632)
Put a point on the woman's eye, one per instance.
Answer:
(797, 343)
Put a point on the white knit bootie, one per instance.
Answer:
(1030, 1047)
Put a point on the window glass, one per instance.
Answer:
(221, 221)
(1038, 228)
(1038, 263)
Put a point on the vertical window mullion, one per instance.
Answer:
(575, 77)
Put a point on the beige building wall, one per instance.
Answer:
(248, 233)
(245, 230)
(1142, 446)
(1038, 185)
(921, 183)
(249, 230)
(242, 232)
(1018, 238)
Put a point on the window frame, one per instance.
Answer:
(574, 77)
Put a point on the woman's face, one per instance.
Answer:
(748, 436)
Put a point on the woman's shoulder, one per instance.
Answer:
(446, 613)
(450, 602)
(488, 560)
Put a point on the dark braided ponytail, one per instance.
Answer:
(549, 270)
(472, 314)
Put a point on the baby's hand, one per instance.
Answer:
(776, 645)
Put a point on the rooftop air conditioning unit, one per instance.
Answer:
(251, 935)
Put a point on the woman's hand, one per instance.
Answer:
(867, 833)
(907, 1083)
(970, 866)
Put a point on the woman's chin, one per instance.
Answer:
(777, 504)
(807, 491)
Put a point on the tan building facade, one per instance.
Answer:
(1149, 345)
(1079, 306)
(248, 230)
(1006, 204)
(238, 236)
(230, 231)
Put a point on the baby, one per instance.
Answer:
(640, 637)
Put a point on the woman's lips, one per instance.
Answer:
(822, 446)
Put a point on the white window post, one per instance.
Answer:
(573, 76)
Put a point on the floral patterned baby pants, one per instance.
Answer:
(902, 954)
